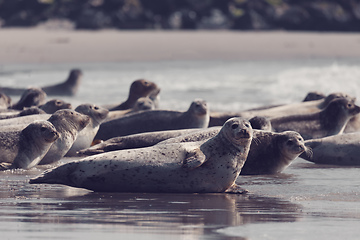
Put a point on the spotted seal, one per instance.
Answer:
(193, 167)
(25, 148)
(330, 121)
(151, 138)
(342, 149)
(84, 139)
(142, 104)
(139, 88)
(67, 88)
(272, 153)
(197, 116)
(68, 124)
(307, 107)
(30, 97)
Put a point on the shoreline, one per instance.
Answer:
(39, 45)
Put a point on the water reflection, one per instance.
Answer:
(190, 214)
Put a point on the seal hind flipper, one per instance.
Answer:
(5, 166)
(194, 159)
(236, 189)
(60, 175)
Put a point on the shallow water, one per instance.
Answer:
(306, 201)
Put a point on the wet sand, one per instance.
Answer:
(38, 45)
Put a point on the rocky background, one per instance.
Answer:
(310, 15)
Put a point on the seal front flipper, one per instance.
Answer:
(5, 166)
(236, 189)
(194, 158)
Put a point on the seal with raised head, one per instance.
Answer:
(330, 121)
(30, 97)
(142, 104)
(84, 139)
(342, 149)
(25, 148)
(197, 116)
(68, 124)
(218, 118)
(67, 88)
(53, 105)
(194, 167)
(148, 139)
(139, 88)
(272, 153)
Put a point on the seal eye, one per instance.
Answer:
(235, 126)
(58, 103)
(349, 105)
(96, 108)
(290, 142)
(43, 129)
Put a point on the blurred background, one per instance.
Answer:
(309, 15)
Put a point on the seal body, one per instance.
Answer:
(342, 149)
(86, 135)
(330, 121)
(142, 104)
(30, 97)
(212, 166)
(197, 116)
(307, 107)
(271, 153)
(68, 124)
(67, 88)
(138, 89)
(25, 148)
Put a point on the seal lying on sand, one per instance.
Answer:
(84, 139)
(30, 97)
(148, 139)
(68, 123)
(139, 88)
(197, 116)
(271, 153)
(218, 118)
(67, 88)
(25, 148)
(343, 149)
(193, 167)
(53, 105)
(330, 121)
(142, 104)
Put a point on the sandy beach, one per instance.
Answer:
(39, 45)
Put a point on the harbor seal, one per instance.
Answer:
(272, 153)
(197, 116)
(24, 149)
(139, 88)
(142, 104)
(218, 118)
(148, 139)
(342, 150)
(84, 139)
(193, 167)
(330, 121)
(68, 124)
(53, 105)
(67, 88)
(30, 97)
